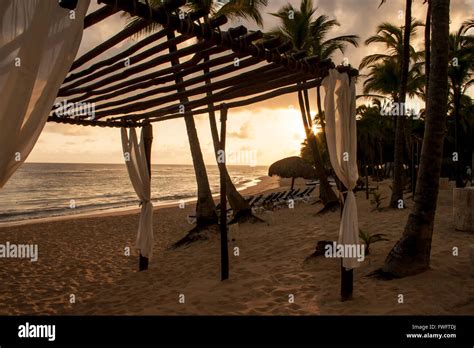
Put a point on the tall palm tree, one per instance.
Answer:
(308, 34)
(373, 132)
(461, 54)
(205, 208)
(249, 9)
(400, 53)
(411, 254)
(384, 80)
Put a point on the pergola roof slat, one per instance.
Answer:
(99, 15)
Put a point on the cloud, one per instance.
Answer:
(244, 132)
(66, 129)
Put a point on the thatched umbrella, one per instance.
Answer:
(292, 167)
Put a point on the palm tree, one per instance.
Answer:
(249, 9)
(308, 34)
(205, 208)
(397, 43)
(384, 80)
(373, 132)
(461, 54)
(411, 254)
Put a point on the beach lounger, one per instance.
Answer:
(293, 194)
(301, 194)
(289, 194)
(279, 196)
(268, 198)
(255, 200)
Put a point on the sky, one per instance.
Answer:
(262, 133)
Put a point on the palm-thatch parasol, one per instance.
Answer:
(292, 167)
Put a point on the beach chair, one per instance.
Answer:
(278, 199)
(307, 196)
(268, 198)
(268, 204)
(289, 194)
(282, 199)
(293, 194)
(279, 196)
(255, 200)
(301, 195)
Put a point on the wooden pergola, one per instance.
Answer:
(154, 80)
(191, 66)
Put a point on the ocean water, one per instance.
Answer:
(52, 189)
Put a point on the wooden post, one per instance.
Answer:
(347, 276)
(223, 218)
(148, 139)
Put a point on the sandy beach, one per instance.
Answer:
(85, 257)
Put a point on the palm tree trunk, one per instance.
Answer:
(326, 193)
(205, 207)
(427, 49)
(397, 186)
(238, 203)
(320, 108)
(457, 106)
(322, 121)
(411, 254)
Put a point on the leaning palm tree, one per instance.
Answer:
(307, 33)
(205, 208)
(397, 43)
(461, 54)
(247, 9)
(411, 254)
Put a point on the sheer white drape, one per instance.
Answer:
(38, 43)
(341, 135)
(137, 167)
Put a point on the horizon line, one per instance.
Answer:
(161, 164)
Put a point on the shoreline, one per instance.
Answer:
(264, 184)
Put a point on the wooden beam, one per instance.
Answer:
(99, 15)
(103, 124)
(119, 37)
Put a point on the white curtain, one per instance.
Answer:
(38, 43)
(341, 135)
(137, 167)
